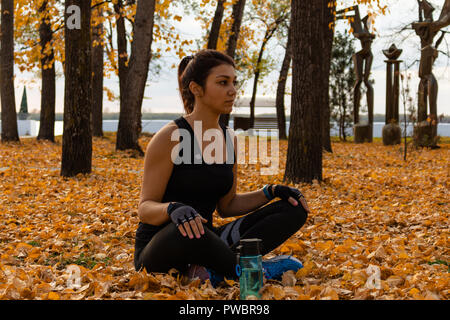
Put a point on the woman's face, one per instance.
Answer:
(219, 92)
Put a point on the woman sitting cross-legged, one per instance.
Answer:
(178, 198)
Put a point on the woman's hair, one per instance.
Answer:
(197, 68)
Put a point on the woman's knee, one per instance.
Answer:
(297, 214)
(190, 244)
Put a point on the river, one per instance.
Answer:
(31, 128)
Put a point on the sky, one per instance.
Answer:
(162, 92)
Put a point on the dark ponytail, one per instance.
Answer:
(197, 68)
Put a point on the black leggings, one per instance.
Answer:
(273, 224)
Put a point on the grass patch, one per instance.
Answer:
(86, 261)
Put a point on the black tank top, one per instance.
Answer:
(199, 185)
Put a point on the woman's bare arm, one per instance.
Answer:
(158, 167)
(242, 203)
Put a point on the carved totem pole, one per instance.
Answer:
(392, 133)
(426, 131)
(362, 61)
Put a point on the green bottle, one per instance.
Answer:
(249, 268)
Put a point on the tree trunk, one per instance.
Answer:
(343, 123)
(344, 115)
(97, 79)
(121, 51)
(215, 27)
(77, 135)
(8, 101)
(237, 15)
(304, 155)
(281, 88)
(48, 91)
(329, 8)
(128, 131)
(255, 81)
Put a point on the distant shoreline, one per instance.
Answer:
(31, 127)
(172, 116)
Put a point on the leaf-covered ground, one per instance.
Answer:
(74, 238)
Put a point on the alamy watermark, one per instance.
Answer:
(74, 18)
(73, 273)
(258, 152)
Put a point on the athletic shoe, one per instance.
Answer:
(275, 267)
(214, 278)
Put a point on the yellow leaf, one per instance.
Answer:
(403, 255)
(329, 293)
(230, 282)
(274, 292)
(415, 293)
(53, 296)
(341, 249)
(347, 276)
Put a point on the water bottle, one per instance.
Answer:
(249, 268)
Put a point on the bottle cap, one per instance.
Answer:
(250, 247)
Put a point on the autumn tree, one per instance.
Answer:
(97, 72)
(236, 38)
(246, 59)
(122, 54)
(227, 36)
(313, 29)
(342, 80)
(272, 15)
(328, 16)
(48, 75)
(215, 26)
(77, 135)
(157, 33)
(39, 39)
(9, 115)
(236, 16)
(281, 85)
(304, 155)
(128, 130)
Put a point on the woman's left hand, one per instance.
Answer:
(292, 195)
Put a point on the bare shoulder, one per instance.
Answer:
(158, 163)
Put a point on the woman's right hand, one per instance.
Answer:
(188, 221)
(290, 194)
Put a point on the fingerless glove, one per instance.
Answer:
(284, 192)
(180, 213)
